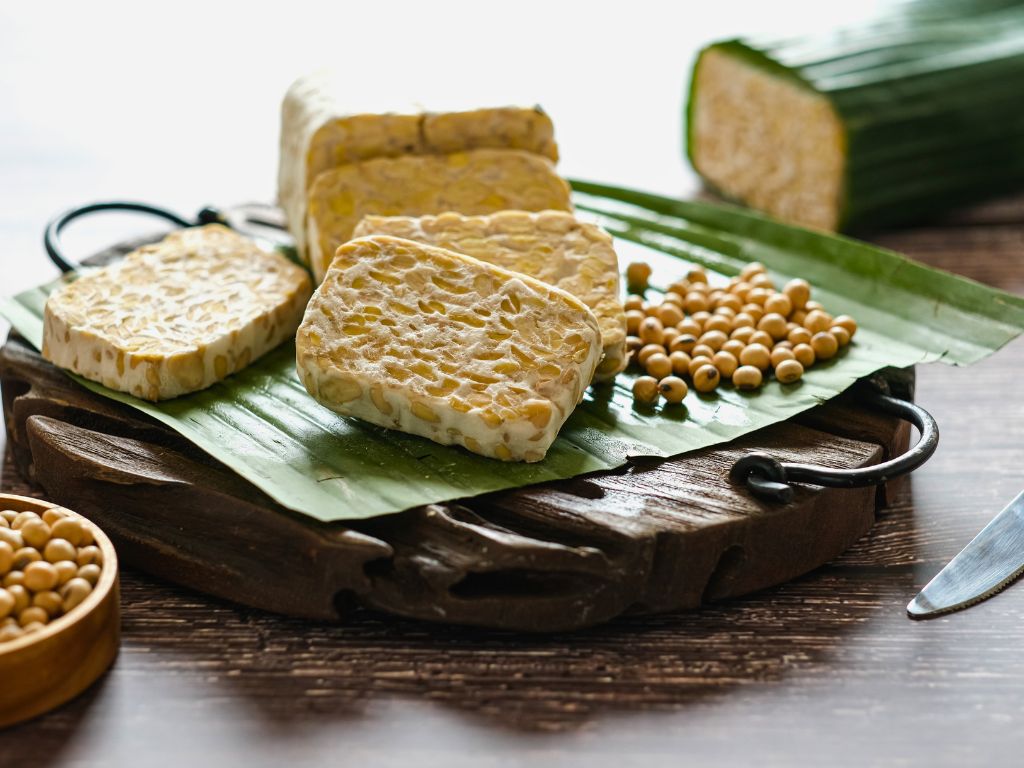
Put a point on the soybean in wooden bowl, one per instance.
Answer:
(59, 631)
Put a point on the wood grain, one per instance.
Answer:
(824, 670)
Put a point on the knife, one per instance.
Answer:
(993, 559)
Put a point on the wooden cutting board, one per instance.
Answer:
(653, 536)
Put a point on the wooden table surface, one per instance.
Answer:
(826, 670)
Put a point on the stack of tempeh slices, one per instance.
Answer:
(471, 307)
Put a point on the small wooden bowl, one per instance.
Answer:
(47, 668)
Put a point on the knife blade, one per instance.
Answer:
(993, 559)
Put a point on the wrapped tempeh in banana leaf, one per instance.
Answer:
(915, 111)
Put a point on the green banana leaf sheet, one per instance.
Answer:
(263, 424)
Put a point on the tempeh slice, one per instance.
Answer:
(552, 246)
(438, 344)
(319, 132)
(479, 181)
(176, 316)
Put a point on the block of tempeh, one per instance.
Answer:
(438, 344)
(318, 132)
(474, 182)
(176, 316)
(914, 108)
(552, 246)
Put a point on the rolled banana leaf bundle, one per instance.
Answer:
(913, 112)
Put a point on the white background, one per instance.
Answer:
(177, 103)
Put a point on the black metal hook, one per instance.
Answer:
(253, 219)
(51, 236)
(769, 478)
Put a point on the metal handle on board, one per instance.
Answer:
(254, 219)
(770, 479)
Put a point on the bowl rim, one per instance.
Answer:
(108, 577)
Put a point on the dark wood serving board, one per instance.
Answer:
(654, 536)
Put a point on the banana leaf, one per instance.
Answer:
(263, 424)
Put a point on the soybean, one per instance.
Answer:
(747, 377)
(49, 565)
(824, 345)
(741, 332)
(637, 275)
(673, 389)
(789, 371)
(706, 378)
(658, 365)
(645, 390)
